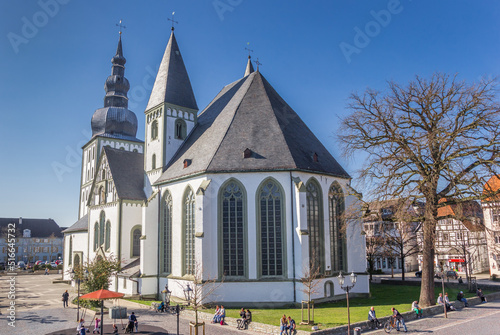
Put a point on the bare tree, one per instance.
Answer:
(432, 138)
(374, 247)
(202, 291)
(310, 283)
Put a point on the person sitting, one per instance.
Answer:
(216, 315)
(81, 325)
(460, 281)
(481, 295)
(222, 315)
(291, 326)
(283, 325)
(449, 306)
(248, 318)
(241, 320)
(399, 319)
(417, 309)
(161, 307)
(372, 317)
(460, 297)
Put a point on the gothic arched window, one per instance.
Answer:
(154, 130)
(337, 238)
(180, 129)
(232, 204)
(189, 225)
(315, 225)
(271, 228)
(166, 233)
(136, 241)
(96, 236)
(70, 256)
(101, 228)
(107, 244)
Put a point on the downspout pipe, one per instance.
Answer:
(159, 248)
(293, 237)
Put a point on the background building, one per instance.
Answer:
(390, 227)
(36, 239)
(460, 238)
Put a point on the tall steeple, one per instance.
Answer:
(115, 119)
(249, 68)
(172, 84)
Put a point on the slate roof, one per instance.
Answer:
(38, 227)
(249, 114)
(127, 171)
(172, 84)
(132, 269)
(80, 225)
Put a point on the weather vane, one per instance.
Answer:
(121, 26)
(172, 19)
(249, 50)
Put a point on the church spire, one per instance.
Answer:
(172, 84)
(115, 119)
(249, 68)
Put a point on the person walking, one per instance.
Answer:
(65, 297)
(372, 317)
(399, 319)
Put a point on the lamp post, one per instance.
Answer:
(346, 288)
(85, 274)
(166, 295)
(187, 293)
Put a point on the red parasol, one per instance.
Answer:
(102, 294)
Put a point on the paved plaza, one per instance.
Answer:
(39, 311)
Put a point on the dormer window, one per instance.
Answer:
(180, 129)
(247, 153)
(187, 162)
(154, 130)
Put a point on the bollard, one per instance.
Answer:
(357, 331)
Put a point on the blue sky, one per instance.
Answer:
(54, 60)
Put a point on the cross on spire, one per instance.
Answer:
(258, 63)
(121, 26)
(173, 21)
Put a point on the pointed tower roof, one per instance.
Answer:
(172, 83)
(249, 127)
(249, 68)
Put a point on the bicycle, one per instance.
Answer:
(390, 324)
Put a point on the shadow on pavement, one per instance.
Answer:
(143, 329)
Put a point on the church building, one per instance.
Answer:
(242, 192)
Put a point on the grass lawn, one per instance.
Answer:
(335, 314)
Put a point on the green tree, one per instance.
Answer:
(430, 139)
(95, 275)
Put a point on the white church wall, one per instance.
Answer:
(172, 143)
(111, 213)
(149, 246)
(493, 247)
(79, 240)
(131, 217)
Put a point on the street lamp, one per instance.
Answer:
(85, 274)
(187, 293)
(166, 295)
(346, 288)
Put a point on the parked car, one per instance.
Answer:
(38, 262)
(58, 262)
(53, 264)
(21, 265)
(451, 274)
